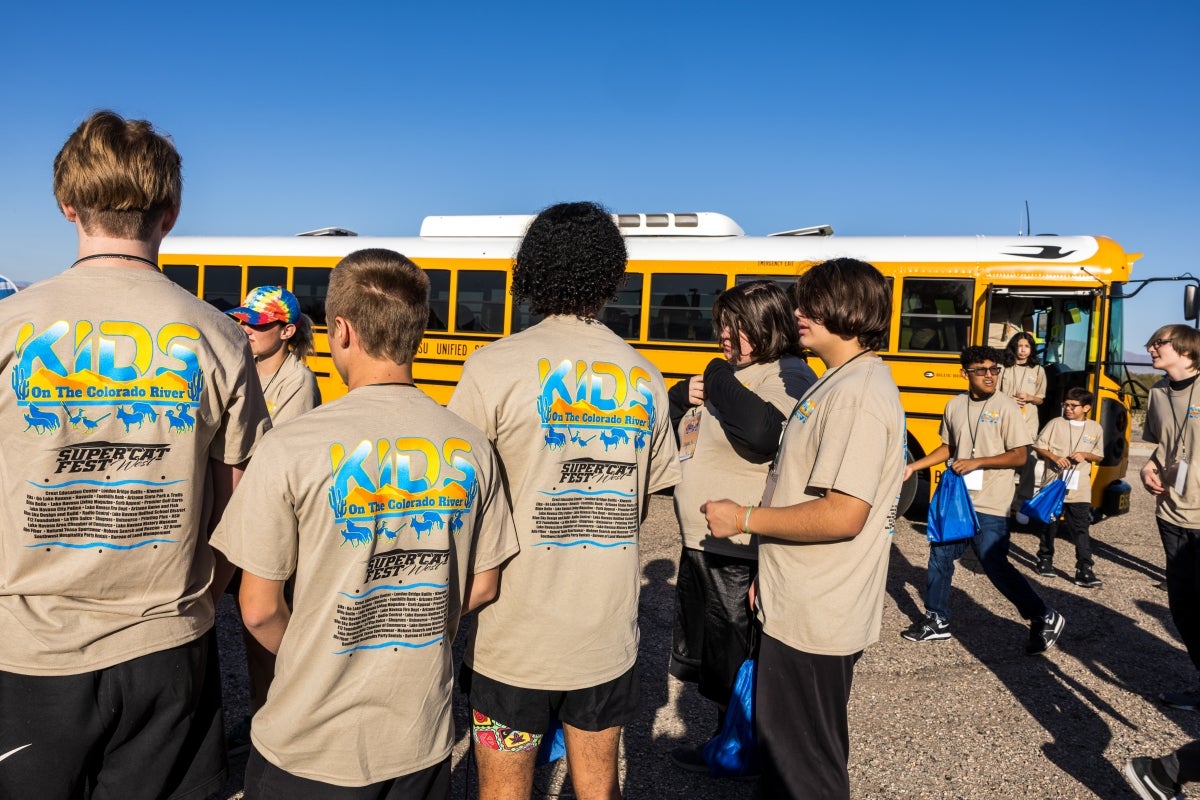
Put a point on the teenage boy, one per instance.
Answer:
(124, 398)
(581, 424)
(1069, 445)
(824, 533)
(1172, 475)
(984, 440)
(388, 511)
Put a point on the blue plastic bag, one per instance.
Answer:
(553, 746)
(733, 753)
(951, 512)
(1046, 505)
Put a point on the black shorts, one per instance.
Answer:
(149, 727)
(595, 708)
(265, 781)
(714, 631)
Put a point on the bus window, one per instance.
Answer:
(310, 284)
(480, 301)
(439, 299)
(265, 276)
(223, 287)
(185, 275)
(935, 314)
(681, 306)
(624, 315)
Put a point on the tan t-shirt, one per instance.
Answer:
(848, 436)
(1030, 380)
(291, 391)
(1063, 437)
(581, 425)
(117, 388)
(715, 469)
(984, 428)
(382, 504)
(1172, 423)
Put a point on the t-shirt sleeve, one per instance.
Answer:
(298, 397)
(468, 403)
(1098, 447)
(664, 455)
(245, 418)
(495, 532)
(1046, 436)
(851, 454)
(1150, 430)
(1013, 432)
(258, 531)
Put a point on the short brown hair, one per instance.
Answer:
(385, 297)
(761, 310)
(851, 298)
(1184, 339)
(119, 175)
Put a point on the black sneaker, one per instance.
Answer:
(1147, 777)
(689, 759)
(1087, 579)
(1188, 701)
(1045, 568)
(1044, 632)
(927, 629)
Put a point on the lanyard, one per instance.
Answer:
(978, 420)
(828, 375)
(1178, 448)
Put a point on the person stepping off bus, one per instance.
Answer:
(984, 439)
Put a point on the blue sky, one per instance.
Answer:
(878, 118)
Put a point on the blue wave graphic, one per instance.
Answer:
(104, 483)
(110, 545)
(584, 541)
(616, 492)
(393, 587)
(410, 645)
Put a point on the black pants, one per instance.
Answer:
(1077, 519)
(1182, 546)
(265, 781)
(150, 727)
(801, 722)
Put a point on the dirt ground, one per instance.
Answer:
(969, 717)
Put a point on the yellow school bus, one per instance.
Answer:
(947, 292)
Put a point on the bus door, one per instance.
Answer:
(1064, 324)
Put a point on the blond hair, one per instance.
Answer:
(385, 298)
(119, 175)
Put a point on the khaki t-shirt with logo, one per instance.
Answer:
(1063, 437)
(1032, 381)
(848, 436)
(117, 388)
(984, 428)
(382, 504)
(715, 469)
(291, 391)
(581, 425)
(1172, 423)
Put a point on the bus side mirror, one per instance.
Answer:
(1190, 299)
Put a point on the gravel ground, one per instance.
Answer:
(969, 717)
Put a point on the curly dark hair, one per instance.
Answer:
(571, 260)
(977, 355)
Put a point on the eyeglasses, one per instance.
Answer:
(1154, 344)
(1072, 405)
(266, 326)
(984, 370)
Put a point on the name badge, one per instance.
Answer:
(690, 433)
(973, 480)
(1180, 477)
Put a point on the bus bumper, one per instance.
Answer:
(1116, 499)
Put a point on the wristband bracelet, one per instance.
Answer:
(746, 522)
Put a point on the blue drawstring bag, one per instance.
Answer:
(733, 753)
(951, 512)
(1046, 505)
